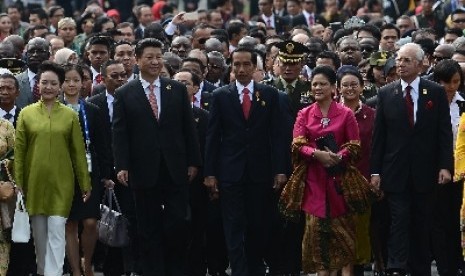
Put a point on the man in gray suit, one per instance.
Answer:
(37, 51)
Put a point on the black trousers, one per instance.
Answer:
(163, 215)
(217, 254)
(242, 206)
(410, 232)
(446, 238)
(284, 240)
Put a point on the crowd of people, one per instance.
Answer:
(261, 137)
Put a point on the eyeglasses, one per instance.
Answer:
(37, 51)
(120, 75)
(459, 21)
(405, 60)
(367, 49)
(353, 85)
(213, 66)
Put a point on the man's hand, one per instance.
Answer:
(375, 182)
(279, 181)
(444, 176)
(192, 173)
(179, 19)
(212, 184)
(85, 196)
(108, 183)
(122, 177)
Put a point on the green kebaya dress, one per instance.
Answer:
(49, 156)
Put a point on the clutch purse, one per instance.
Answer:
(7, 188)
(112, 226)
(329, 141)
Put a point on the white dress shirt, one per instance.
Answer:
(12, 112)
(32, 81)
(307, 17)
(270, 19)
(94, 76)
(240, 89)
(198, 96)
(414, 93)
(455, 115)
(110, 100)
(146, 84)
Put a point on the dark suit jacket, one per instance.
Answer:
(288, 120)
(15, 118)
(141, 143)
(301, 20)
(236, 145)
(402, 154)
(100, 100)
(301, 88)
(281, 24)
(207, 91)
(201, 122)
(138, 33)
(98, 89)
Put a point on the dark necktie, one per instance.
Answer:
(8, 116)
(35, 89)
(409, 105)
(246, 102)
(289, 89)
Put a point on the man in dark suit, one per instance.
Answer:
(411, 153)
(114, 76)
(157, 152)
(9, 91)
(308, 17)
(144, 17)
(244, 152)
(271, 20)
(37, 51)
(201, 98)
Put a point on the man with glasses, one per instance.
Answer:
(368, 45)
(37, 51)
(308, 17)
(216, 68)
(458, 18)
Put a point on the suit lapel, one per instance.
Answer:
(165, 94)
(27, 86)
(234, 97)
(140, 96)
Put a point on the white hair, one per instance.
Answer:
(419, 53)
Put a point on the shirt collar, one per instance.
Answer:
(146, 84)
(94, 72)
(31, 75)
(241, 87)
(266, 18)
(415, 84)
(110, 97)
(285, 83)
(457, 97)
(307, 14)
(12, 111)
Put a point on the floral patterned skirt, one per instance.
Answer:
(4, 252)
(328, 244)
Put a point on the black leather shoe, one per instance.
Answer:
(395, 272)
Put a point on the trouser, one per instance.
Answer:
(49, 238)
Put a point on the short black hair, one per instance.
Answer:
(445, 69)
(145, 43)
(74, 67)
(53, 67)
(99, 39)
(370, 28)
(196, 60)
(454, 31)
(457, 11)
(103, 68)
(327, 71)
(195, 78)
(10, 76)
(390, 26)
(245, 50)
(330, 55)
(235, 29)
(354, 73)
(53, 9)
(423, 31)
(41, 13)
(427, 45)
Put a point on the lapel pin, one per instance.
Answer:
(205, 104)
(425, 91)
(196, 120)
(257, 93)
(168, 87)
(263, 103)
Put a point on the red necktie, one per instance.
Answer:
(246, 102)
(35, 89)
(98, 78)
(409, 105)
(311, 20)
(153, 100)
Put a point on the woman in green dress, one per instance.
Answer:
(49, 156)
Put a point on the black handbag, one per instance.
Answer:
(329, 141)
(113, 225)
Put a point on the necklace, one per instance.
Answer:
(325, 122)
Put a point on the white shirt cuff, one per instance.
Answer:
(170, 29)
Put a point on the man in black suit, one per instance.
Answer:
(271, 20)
(197, 191)
(144, 17)
(114, 75)
(157, 152)
(9, 91)
(202, 97)
(244, 152)
(308, 17)
(411, 153)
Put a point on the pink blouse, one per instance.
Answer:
(321, 198)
